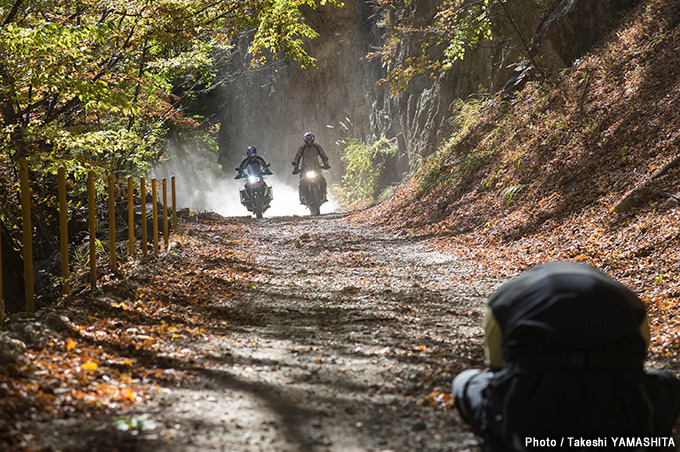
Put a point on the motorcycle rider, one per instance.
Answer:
(251, 155)
(307, 157)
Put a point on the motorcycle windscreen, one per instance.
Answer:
(253, 169)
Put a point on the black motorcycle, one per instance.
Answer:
(256, 195)
(312, 190)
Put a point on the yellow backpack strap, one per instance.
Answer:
(644, 330)
(493, 338)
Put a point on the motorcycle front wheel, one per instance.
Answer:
(257, 206)
(315, 202)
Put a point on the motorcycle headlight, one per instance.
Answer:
(253, 179)
(311, 174)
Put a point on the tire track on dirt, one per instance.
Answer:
(358, 337)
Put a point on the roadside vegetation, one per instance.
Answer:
(580, 167)
(367, 173)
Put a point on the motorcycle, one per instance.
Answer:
(312, 190)
(256, 195)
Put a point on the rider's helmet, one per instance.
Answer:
(251, 152)
(309, 138)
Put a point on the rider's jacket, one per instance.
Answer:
(307, 156)
(258, 159)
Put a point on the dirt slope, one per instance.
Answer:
(581, 167)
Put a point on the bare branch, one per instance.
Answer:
(12, 13)
(521, 37)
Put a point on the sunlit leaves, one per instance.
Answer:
(462, 25)
(77, 75)
(50, 60)
(89, 366)
(282, 30)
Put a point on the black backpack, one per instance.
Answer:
(574, 353)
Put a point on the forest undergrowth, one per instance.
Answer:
(580, 167)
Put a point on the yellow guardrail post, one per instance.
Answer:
(2, 300)
(131, 217)
(174, 206)
(93, 230)
(63, 232)
(112, 222)
(28, 236)
(154, 199)
(165, 213)
(142, 195)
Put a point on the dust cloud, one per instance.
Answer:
(202, 186)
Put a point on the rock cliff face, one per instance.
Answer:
(574, 27)
(272, 107)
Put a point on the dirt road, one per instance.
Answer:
(354, 338)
